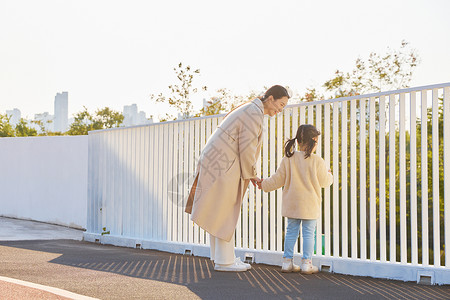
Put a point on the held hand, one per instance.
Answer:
(255, 181)
(259, 183)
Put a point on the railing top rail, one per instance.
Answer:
(341, 99)
(158, 123)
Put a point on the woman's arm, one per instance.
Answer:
(250, 129)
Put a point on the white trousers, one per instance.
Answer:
(221, 251)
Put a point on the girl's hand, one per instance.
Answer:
(259, 183)
(255, 181)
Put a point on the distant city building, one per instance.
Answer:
(60, 122)
(15, 116)
(129, 115)
(142, 118)
(132, 117)
(47, 121)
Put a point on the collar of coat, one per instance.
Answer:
(259, 103)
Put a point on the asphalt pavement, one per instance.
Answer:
(56, 257)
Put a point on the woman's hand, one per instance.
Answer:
(259, 183)
(256, 182)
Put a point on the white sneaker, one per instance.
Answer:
(239, 262)
(307, 267)
(289, 266)
(235, 267)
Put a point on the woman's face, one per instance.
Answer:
(272, 107)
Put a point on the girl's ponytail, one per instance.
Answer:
(288, 147)
(305, 136)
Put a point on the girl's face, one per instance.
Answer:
(315, 139)
(272, 107)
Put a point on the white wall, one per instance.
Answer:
(44, 179)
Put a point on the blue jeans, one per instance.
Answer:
(292, 231)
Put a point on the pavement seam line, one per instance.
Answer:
(53, 290)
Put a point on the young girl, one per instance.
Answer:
(303, 174)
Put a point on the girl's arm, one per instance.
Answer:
(277, 180)
(325, 177)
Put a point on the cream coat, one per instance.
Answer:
(302, 180)
(224, 170)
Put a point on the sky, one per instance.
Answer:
(115, 53)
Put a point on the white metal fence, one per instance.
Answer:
(389, 204)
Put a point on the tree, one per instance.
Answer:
(22, 129)
(108, 118)
(218, 104)
(390, 71)
(6, 130)
(224, 101)
(311, 95)
(83, 122)
(103, 118)
(43, 130)
(180, 93)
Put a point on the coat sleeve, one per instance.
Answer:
(250, 129)
(277, 180)
(325, 177)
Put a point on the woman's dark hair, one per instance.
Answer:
(305, 135)
(277, 91)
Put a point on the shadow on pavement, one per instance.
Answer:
(198, 275)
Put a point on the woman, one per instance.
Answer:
(225, 168)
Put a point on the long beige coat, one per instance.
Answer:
(224, 170)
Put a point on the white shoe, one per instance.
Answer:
(289, 266)
(307, 267)
(235, 267)
(239, 262)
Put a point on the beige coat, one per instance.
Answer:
(303, 180)
(224, 170)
